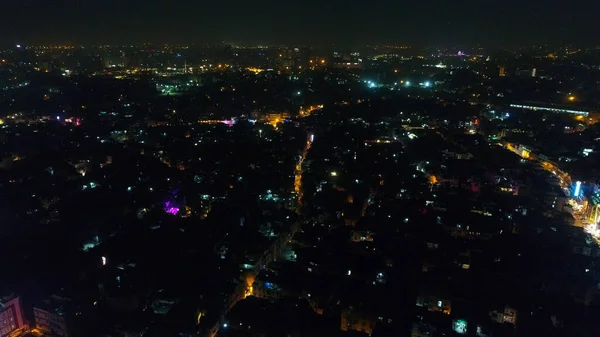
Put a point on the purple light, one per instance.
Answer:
(173, 210)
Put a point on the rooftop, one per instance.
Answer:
(55, 304)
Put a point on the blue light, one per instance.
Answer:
(427, 84)
(268, 284)
(577, 189)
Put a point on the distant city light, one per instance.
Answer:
(427, 84)
(18, 46)
(334, 174)
(407, 83)
(104, 260)
(312, 138)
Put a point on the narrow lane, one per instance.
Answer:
(244, 289)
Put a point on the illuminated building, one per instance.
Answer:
(434, 303)
(459, 326)
(50, 316)
(502, 71)
(348, 62)
(272, 118)
(284, 60)
(11, 315)
(308, 110)
(267, 290)
(300, 58)
(357, 322)
(594, 210)
(509, 315)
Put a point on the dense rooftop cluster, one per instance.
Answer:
(275, 191)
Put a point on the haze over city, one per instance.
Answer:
(311, 22)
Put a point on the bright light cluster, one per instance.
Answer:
(593, 230)
(171, 209)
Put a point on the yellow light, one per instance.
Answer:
(395, 70)
(433, 180)
(571, 98)
(322, 61)
(1, 121)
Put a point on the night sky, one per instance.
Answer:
(316, 22)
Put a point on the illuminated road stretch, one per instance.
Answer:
(245, 289)
(565, 183)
